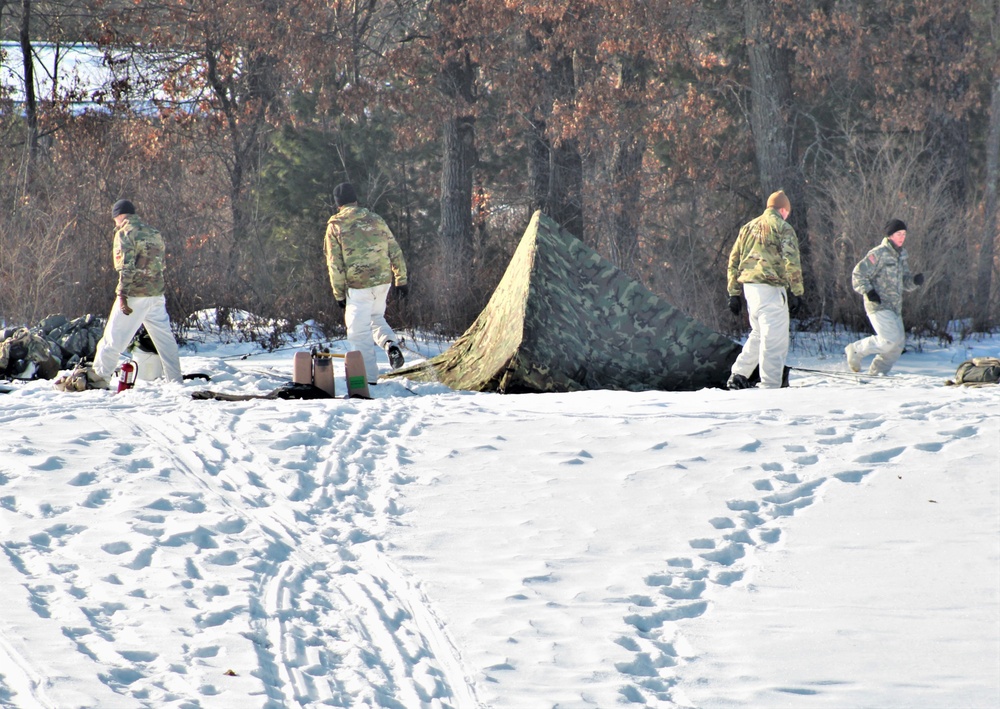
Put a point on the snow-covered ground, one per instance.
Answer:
(833, 544)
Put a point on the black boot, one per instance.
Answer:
(395, 355)
(738, 381)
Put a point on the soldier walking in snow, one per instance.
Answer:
(138, 253)
(362, 258)
(763, 263)
(881, 277)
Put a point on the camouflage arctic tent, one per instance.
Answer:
(565, 319)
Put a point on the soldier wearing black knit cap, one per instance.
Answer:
(138, 254)
(882, 277)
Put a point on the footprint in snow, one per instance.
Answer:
(797, 493)
(727, 555)
(82, 479)
(53, 462)
(139, 464)
(790, 478)
(852, 476)
(963, 432)
(728, 578)
(834, 439)
(119, 678)
(681, 589)
(207, 651)
(647, 622)
(142, 560)
(96, 499)
(138, 655)
(883, 456)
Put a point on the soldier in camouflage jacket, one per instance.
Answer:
(881, 277)
(138, 254)
(763, 264)
(363, 258)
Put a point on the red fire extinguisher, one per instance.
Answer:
(127, 373)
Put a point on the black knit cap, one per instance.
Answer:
(894, 225)
(122, 206)
(344, 194)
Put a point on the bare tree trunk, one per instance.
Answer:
(772, 115)
(456, 188)
(626, 203)
(457, 81)
(949, 134)
(539, 169)
(555, 176)
(626, 170)
(984, 275)
(555, 172)
(245, 113)
(563, 202)
(30, 100)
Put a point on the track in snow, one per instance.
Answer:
(260, 552)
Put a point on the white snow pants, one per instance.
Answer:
(766, 347)
(366, 325)
(121, 328)
(886, 344)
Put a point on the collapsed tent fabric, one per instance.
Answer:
(565, 319)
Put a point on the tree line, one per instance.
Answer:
(650, 130)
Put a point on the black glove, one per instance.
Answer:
(735, 304)
(402, 290)
(794, 303)
(873, 296)
(918, 280)
(342, 304)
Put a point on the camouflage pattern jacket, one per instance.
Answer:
(138, 253)
(885, 269)
(361, 251)
(25, 355)
(766, 252)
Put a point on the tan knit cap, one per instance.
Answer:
(779, 200)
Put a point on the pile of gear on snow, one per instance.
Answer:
(55, 343)
(978, 371)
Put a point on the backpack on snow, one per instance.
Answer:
(978, 371)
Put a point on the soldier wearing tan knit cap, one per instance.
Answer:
(779, 200)
(764, 264)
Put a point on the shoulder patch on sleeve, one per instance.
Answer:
(871, 258)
